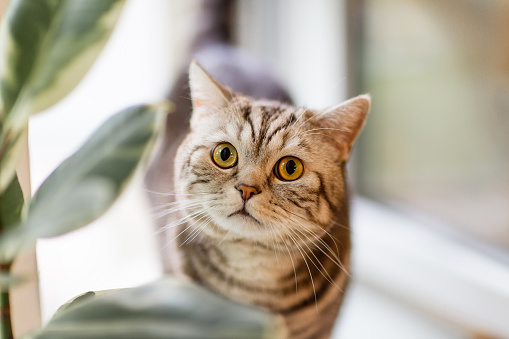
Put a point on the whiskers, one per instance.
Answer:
(309, 245)
(187, 210)
(175, 206)
(194, 223)
(311, 239)
(307, 242)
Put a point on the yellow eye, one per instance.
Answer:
(289, 168)
(224, 155)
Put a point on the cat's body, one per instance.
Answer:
(258, 209)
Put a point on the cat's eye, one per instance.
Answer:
(224, 155)
(289, 169)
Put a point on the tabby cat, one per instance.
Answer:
(262, 203)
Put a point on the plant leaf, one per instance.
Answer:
(10, 153)
(7, 281)
(169, 308)
(47, 46)
(85, 185)
(50, 45)
(11, 203)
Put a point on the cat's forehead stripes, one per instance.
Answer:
(264, 121)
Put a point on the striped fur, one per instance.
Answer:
(291, 254)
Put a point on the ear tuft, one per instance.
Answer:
(205, 92)
(346, 121)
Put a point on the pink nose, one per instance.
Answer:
(247, 191)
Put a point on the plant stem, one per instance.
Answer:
(5, 309)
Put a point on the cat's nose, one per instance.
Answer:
(247, 191)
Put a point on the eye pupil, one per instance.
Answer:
(291, 167)
(225, 153)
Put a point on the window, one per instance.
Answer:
(437, 141)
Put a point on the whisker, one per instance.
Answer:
(215, 247)
(171, 193)
(330, 109)
(201, 214)
(340, 225)
(291, 259)
(197, 231)
(323, 135)
(324, 128)
(182, 220)
(305, 109)
(274, 243)
(335, 258)
(179, 207)
(306, 263)
(173, 203)
(322, 269)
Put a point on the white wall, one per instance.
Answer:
(305, 43)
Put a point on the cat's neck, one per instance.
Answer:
(257, 255)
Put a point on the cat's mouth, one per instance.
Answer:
(244, 213)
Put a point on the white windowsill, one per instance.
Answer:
(428, 272)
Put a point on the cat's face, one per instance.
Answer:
(260, 169)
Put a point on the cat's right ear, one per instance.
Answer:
(344, 122)
(207, 95)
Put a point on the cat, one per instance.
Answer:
(254, 202)
(261, 192)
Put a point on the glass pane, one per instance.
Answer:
(438, 137)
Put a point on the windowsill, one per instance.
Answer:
(428, 272)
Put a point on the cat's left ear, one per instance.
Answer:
(345, 122)
(206, 94)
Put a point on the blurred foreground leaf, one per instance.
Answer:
(11, 203)
(169, 308)
(46, 47)
(85, 185)
(7, 281)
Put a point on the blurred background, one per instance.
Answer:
(430, 171)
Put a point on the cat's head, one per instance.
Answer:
(261, 169)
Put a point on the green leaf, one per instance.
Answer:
(85, 185)
(169, 308)
(46, 47)
(10, 153)
(11, 203)
(7, 281)
(49, 46)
